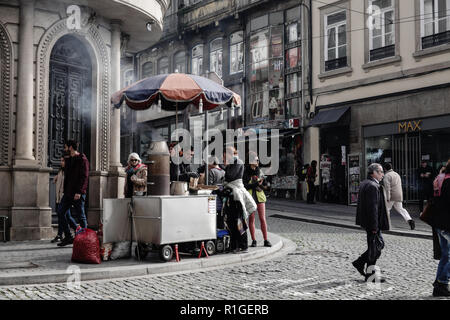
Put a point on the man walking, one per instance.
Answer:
(371, 214)
(75, 186)
(392, 183)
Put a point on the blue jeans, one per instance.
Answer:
(443, 271)
(69, 207)
(61, 220)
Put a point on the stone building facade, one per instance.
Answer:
(60, 62)
(380, 88)
(258, 48)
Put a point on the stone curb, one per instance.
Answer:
(279, 247)
(412, 234)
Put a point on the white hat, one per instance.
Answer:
(134, 155)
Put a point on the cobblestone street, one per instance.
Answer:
(319, 269)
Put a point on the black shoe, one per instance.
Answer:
(66, 241)
(359, 266)
(267, 243)
(375, 279)
(253, 243)
(440, 290)
(412, 224)
(58, 238)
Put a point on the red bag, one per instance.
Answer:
(86, 247)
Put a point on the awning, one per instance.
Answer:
(328, 116)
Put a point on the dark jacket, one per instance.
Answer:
(251, 184)
(186, 172)
(441, 215)
(76, 175)
(234, 171)
(371, 211)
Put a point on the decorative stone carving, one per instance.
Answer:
(5, 94)
(95, 43)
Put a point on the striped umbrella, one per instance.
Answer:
(175, 92)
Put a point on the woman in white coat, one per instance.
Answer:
(394, 194)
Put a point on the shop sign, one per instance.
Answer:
(409, 126)
(354, 178)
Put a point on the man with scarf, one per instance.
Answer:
(136, 183)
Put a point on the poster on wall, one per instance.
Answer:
(354, 178)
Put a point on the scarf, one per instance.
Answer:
(437, 183)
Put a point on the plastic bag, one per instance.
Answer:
(121, 250)
(86, 247)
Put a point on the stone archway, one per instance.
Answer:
(5, 95)
(100, 96)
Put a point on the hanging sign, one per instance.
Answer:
(354, 178)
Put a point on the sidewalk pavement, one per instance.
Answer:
(35, 262)
(38, 262)
(343, 216)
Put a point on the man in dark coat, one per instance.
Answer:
(441, 225)
(371, 214)
(76, 178)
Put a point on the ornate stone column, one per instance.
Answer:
(24, 119)
(30, 211)
(117, 174)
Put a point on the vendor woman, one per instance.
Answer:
(136, 183)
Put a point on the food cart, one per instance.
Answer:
(162, 222)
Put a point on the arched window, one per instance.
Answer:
(147, 69)
(215, 56)
(179, 62)
(163, 65)
(197, 60)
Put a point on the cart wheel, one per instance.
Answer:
(166, 252)
(210, 247)
(220, 246)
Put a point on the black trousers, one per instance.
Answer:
(311, 192)
(424, 194)
(364, 258)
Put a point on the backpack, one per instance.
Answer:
(303, 172)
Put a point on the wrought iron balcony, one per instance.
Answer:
(205, 12)
(335, 64)
(381, 53)
(436, 40)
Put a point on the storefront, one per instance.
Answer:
(334, 147)
(405, 144)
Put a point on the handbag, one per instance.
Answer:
(427, 214)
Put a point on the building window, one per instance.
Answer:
(435, 22)
(237, 52)
(128, 78)
(147, 69)
(163, 65)
(180, 62)
(382, 36)
(335, 38)
(197, 60)
(293, 64)
(266, 98)
(215, 56)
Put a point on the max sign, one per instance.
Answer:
(409, 126)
